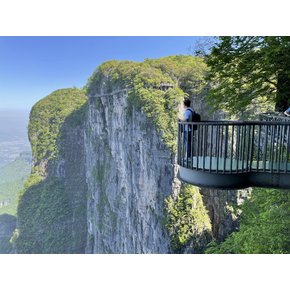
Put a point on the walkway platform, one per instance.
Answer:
(230, 174)
(235, 154)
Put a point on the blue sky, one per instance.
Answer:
(33, 67)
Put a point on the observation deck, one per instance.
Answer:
(235, 154)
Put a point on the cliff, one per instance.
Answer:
(104, 173)
(129, 173)
(131, 143)
(52, 207)
(7, 226)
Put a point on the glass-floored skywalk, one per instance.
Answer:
(234, 154)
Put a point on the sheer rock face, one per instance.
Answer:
(129, 173)
(70, 168)
(117, 173)
(220, 205)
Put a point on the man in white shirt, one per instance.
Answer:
(188, 128)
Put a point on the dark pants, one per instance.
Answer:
(188, 142)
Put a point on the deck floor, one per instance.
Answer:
(228, 165)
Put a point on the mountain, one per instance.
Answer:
(104, 176)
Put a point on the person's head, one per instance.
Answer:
(186, 103)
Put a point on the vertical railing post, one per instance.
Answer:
(204, 146)
(287, 149)
(265, 149)
(189, 147)
(247, 146)
(217, 147)
(226, 148)
(232, 148)
(271, 158)
(252, 147)
(238, 148)
(279, 148)
(183, 144)
(259, 145)
(210, 149)
(197, 147)
(243, 147)
(206, 154)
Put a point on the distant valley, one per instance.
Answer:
(15, 157)
(13, 135)
(12, 177)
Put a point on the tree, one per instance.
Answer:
(187, 221)
(244, 68)
(264, 225)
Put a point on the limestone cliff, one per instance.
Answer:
(130, 149)
(129, 173)
(221, 206)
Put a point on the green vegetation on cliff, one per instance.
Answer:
(7, 226)
(184, 75)
(44, 217)
(46, 119)
(264, 225)
(188, 221)
(49, 212)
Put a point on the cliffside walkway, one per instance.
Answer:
(235, 154)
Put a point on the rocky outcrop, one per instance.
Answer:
(222, 209)
(129, 174)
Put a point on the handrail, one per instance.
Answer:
(235, 146)
(227, 122)
(273, 116)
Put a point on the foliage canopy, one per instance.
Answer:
(246, 69)
(46, 119)
(264, 225)
(187, 220)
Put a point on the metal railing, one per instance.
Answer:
(274, 117)
(234, 146)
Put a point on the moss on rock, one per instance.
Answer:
(52, 207)
(156, 87)
(46, 119)
(188, 221)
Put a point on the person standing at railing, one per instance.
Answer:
(188, 132)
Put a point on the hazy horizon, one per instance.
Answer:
(13, 134)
